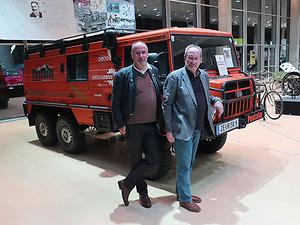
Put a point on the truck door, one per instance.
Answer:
(101, 75)
(77, 80)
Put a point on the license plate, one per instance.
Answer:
(225, 127)
(255, 116)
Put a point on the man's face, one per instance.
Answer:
(193, 59)
(140, 55)
(34, 7)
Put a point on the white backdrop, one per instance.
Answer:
(57, 20)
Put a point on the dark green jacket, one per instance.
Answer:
(124, 91)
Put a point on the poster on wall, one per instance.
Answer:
(36, 19)
(121, 14)
(95, 15)
(252, 58)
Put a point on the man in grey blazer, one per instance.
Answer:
(188, 110)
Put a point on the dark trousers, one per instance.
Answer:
(142, 138)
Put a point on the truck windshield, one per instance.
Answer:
(211, 46)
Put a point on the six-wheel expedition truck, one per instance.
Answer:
(68, 83)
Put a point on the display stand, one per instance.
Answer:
(291, 106)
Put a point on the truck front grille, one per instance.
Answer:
(237, 98)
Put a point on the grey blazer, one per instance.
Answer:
(180, 104)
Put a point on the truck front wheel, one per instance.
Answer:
(45, 128)
(3, 101)
(69, 135)
(165, 161)
(211, 146)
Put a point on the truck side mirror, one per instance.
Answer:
(110, 42)
(153, 58)
(110, 39)
(160, 61)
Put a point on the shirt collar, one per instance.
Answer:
(143, 71)
(190, 73)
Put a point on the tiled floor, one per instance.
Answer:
(253, 180)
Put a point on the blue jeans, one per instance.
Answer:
(185, 152)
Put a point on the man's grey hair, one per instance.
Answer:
(189, 47)
(136, 43)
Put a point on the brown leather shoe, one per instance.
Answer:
(125, 192)
(195, 199)
(145, 201)
(190, 206)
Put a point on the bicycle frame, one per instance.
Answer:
(270, 100)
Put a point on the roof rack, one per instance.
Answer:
(84, 39)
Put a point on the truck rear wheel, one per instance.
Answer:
(45, 128)
(211, 146)
(69, 135)
(165, 161)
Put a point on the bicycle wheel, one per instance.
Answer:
(273, 105)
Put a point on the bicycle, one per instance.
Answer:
(270, 99)
(273, 80)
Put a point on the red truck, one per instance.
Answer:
(68, 83)
(14, 80)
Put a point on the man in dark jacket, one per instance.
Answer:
(136, 107)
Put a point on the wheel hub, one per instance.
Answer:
(43, 129)
(66, 135)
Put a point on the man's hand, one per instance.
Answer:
(170, 137)
(219, 108)
(122, 130)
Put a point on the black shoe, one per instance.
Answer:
(125, 192)
(145, 201)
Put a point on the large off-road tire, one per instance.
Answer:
(211, 146)
(45, 128)
(3, 101)
(69, 136)
(165, 161)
